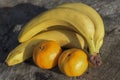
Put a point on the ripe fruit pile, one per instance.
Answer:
(71, 25)
(47, 54)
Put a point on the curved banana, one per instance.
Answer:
(24, 51)
(78, 21)
(94, 16)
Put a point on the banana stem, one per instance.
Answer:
(92, 48)
(94, 58)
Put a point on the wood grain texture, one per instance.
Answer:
(14, 14)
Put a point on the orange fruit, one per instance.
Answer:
(73, 62)
(46, 53)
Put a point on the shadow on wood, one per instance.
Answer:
(12, 20)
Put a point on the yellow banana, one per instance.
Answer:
(78, 21)
(94, 16)
(24, 51)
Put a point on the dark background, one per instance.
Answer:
(15, 13)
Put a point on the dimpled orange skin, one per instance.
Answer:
(45, 54)
(73, 62)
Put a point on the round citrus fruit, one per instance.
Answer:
(46, 53)
(73, 62)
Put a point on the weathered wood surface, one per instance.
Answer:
(15, 13)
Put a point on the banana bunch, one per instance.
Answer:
(70, 24)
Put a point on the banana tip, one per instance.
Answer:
(8, 63)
